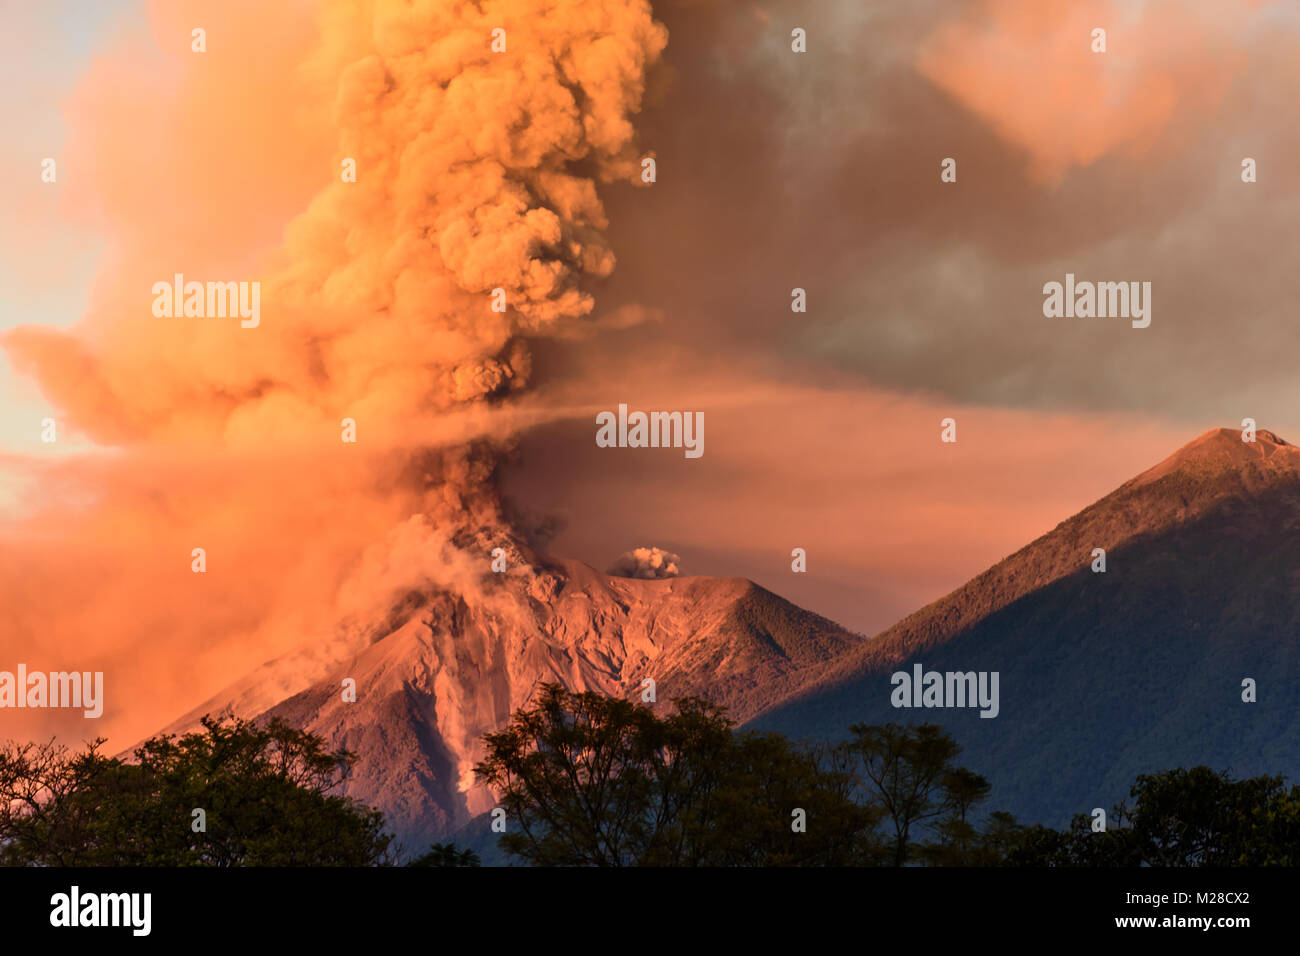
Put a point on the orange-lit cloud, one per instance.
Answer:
(1029, 69)
(891, 517)
(376, 303)
(476, 170)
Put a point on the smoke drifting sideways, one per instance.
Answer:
(477, 170)
(647, 563)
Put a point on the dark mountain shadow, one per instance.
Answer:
(1107, 675)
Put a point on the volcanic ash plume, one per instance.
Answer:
(646, 563)
(479, 133)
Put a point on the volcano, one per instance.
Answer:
(1106, 675)
(444, 669)
(1103, 674)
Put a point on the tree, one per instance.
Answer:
(958, 842)
(446, 854)
(575, 775)
(1000, 836)
(1200, 818)
(909, 772)
(236, 794)
(1181, 817)
(781, 805)
(588, 780)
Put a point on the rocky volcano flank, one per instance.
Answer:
(446, 670)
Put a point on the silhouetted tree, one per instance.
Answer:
(957, 841)
(908, 771)
(1181, 817)
(262, 790)
(592, 780)
(446, 854)
(1001, 835)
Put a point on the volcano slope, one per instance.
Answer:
(444, 669)
(1107, 675)
(1101, 675)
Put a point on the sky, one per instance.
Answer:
(48, 255)
(925, 298)
(521, 170)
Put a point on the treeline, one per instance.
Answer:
(589, 780)
(235, 794)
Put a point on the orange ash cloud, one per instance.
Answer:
(475, 170)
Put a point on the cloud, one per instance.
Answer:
(890, 517)
(913, 283)
(476, 170)
(377, 301)
(1029, 69)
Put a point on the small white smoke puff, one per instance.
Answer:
(646, 563)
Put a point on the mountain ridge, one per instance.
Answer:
(454, 669)
(1107, 523)
(443, 669)
(1108, 675)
